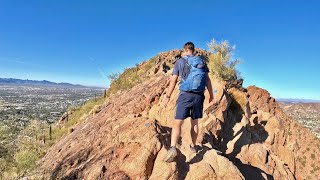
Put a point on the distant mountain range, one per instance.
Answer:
(289, 100)
(13, 81)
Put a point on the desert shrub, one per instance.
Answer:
(22, 155)
(26, 159)
(6, 149)
(73, 108)
(130, 76)
(149, 64)
(221, 61)
(114, 76)
(123, 81)
(31, 132)
(3, 132)
(28, 148)
(3, 165)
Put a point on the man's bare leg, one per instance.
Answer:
(175, 135)
(176, 132)
(194, 131)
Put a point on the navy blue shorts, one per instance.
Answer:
(189, 105)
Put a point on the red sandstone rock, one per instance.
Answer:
(130, 134)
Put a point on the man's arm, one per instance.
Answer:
(209, 86)
(173, 82)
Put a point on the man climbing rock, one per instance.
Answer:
(193, 73)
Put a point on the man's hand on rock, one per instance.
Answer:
(212, 101)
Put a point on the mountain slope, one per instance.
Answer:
(246, 136)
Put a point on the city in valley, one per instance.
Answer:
(21, 103)
(306, 113)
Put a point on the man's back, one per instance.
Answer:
(191, 70)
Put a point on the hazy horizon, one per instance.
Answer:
(277, 98)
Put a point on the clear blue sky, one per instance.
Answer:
(78, 41)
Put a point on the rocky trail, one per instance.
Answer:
(246, 136)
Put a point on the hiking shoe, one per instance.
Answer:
(193, 149)
(171, 154)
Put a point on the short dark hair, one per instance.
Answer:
(189, 45)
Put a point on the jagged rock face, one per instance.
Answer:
(260, 99)
(246, 136)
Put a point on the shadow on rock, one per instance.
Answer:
(237, 131)
(182, 165)
(250, 172)
(248, 135)
(164, 135)
(199, 156)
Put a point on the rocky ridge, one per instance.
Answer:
(246, 136)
